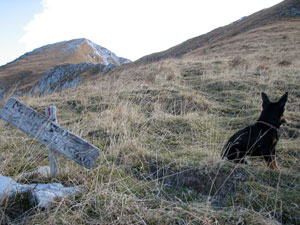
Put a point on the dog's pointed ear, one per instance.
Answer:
(283, 100)
(265, 99)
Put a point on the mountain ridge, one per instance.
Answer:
(284, 10)
(24, 72)
(73, 45)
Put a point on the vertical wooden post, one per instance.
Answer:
(53, 155)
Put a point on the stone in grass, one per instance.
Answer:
(45, 194)
(42, 195)
(41, 172)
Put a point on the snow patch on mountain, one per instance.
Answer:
(108, 56)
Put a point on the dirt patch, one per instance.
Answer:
(15, 209)
(284, 63)
(80, 107)
(216, 181)
(103, 137)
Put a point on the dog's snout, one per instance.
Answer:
(283, 119)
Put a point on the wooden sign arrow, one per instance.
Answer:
(49, 133)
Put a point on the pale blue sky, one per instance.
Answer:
(129, 28)
(14, 15)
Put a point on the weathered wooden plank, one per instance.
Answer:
(49, 133)
(50, 111)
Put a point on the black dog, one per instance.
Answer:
(261, 138)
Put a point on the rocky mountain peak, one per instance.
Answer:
(25, 72)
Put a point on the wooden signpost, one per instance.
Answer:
(43, 129)
(50, 111)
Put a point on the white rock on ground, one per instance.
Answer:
(43, 172)
(41, 194)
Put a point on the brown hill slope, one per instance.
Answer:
(283, 11)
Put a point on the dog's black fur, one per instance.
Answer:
(260, 138)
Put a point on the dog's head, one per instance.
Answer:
(273, 112)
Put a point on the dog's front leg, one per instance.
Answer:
(271, 162)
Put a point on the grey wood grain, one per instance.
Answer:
(50, 112)
(49, 133)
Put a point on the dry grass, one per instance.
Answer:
(160, 128)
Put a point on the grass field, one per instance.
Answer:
(160, 128)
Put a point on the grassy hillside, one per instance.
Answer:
(161, 127)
